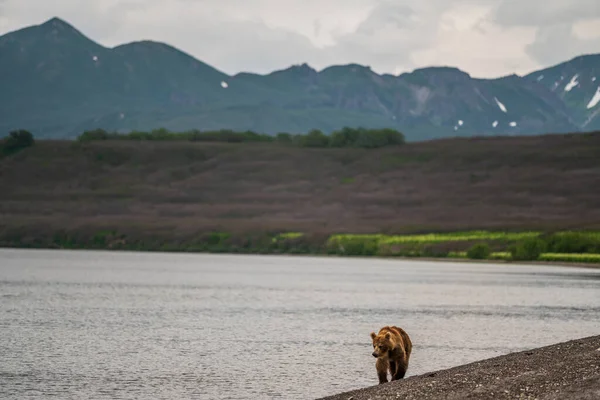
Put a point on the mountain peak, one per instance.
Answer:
(441, 70)
(297, 70)
(57, 23)
(57, 29)
(303, 67)
(147, 45)
(54, 30)
(353, 67)
(348, 71)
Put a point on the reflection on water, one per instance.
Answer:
(174, 326)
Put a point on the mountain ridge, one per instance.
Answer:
(60, 21)
(58, 82)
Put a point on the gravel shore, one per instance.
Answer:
(569, 370)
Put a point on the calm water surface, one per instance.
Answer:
(95, 325)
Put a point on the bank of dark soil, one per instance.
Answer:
(565, 371)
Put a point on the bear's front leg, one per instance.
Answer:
(382, 370)
(392, 369)
(401, 371)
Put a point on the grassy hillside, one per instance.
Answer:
(176, 190)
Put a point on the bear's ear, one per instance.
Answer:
(373, 335)
(388, 336)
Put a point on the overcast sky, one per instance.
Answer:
(487, 38)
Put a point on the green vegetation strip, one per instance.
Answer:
(574, 257)
(345, 137)
(552, 257)
(580, 247)
(437, 237)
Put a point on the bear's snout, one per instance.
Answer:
(374, 354)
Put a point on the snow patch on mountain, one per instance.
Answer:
(572, 83)
(595, 100)
(500, 105)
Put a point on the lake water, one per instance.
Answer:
(85, 324)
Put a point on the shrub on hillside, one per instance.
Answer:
(353, 246)
(96, 134)
(366, 138)
(528, 249)
(479, 251)
(283, 137)
(15, 141)
(345, 137)
(573, 242)
(315, 138)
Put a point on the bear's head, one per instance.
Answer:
(382, 344)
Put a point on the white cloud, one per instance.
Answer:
(487, 38)
(468, 40)
(587, 29)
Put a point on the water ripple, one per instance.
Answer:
(127, 326)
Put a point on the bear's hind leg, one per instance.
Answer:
(382, 370)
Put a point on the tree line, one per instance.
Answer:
(345, 137)
(15, 141)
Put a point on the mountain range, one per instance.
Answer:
(56, 82)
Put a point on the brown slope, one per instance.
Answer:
(526, 183)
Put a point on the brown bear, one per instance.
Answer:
(392, 348)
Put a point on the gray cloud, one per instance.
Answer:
(382, 40)
(554, 23)
(484, 37)
(387, 15)
(549, 39)
(543, 13)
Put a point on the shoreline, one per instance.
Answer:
(441, 260)
(565, 370)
